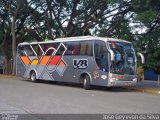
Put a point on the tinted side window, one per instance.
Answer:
(79, 48)
(47, 49)
(101, 55)
(76, 48)
(86, 48)
(69, 50)
(21, 51)
(37, 49)
(60, 48)
(72, 48)
(25, 50)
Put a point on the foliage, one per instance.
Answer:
(38, 20)
(148, 13)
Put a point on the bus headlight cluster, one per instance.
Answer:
(112, 79)
(134, 79)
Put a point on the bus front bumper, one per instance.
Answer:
(125, 80)
(124, 83)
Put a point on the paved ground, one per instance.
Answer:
(150, 84)
(22, 96)
(147, 86)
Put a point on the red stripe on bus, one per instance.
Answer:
(55, 60)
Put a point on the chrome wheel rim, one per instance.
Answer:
(32, 76)
(85, 81)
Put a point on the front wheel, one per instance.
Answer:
(33, 76)
(86, 82)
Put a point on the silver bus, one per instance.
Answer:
(87, 60)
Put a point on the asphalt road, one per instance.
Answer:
(23, 96)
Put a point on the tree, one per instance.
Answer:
(5, 37)
(78, 17)
(148, 13)
(12, 22)
(48, 19)
(38, 20)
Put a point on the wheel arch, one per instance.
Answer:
(33, 70)
(82, 76)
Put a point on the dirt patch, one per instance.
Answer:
(7, 75)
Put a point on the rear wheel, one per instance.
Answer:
(86, 82)
(33, 76)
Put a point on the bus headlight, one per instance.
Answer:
(103, 77)
(112, 79)
(134, 79)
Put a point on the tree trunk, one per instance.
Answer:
(6, 51)
(7, 69)
(13, 46)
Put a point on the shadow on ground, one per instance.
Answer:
(80, 86)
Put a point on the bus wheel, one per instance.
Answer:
(86, 82)
(33, 76)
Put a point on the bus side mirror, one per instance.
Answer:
(142, 57)
(112, 55)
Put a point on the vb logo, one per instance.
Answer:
(80, 63)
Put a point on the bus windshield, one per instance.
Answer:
(125, 58)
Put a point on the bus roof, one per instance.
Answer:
(79, 38)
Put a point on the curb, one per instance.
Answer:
(145, 90)
(7, 75)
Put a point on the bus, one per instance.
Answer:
(87, 60)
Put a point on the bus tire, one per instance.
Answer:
(86, 82)
(33, 77)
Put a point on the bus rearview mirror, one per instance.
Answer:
(142, 57)
(112, 55)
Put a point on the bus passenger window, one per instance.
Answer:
(47, 49)
(82, 48)
(86, 48)
(101, 55)
(75, 48)
(69, 50)
(44, 47)
(21, 51)
(28, 51)
(60, 50)
(89, 49)
(37, 49)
